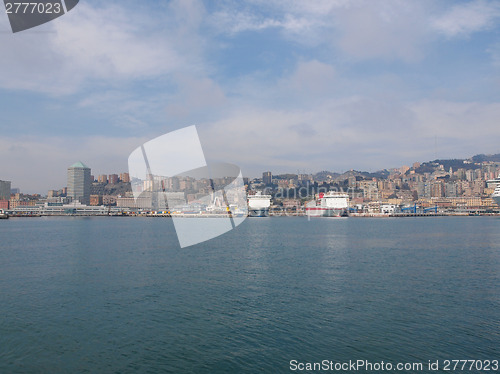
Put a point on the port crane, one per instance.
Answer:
(410, 209)
(435, 209)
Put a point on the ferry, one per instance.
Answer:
(496, 195)
(330, 204)
(258, 205)
(3, 215)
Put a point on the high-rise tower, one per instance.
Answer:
(5, 190)
(79, 182)
(267, 178)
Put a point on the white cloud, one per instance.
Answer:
(311, 78)
(339, 134)
(494, 52)
(310, 82)
(105, 43)
(366, 29)
(194, 96)
(388, 30)
(469, 17)
(99, 45)
(301, 21)
(462, 121)
(351, 133)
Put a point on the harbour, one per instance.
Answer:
(107, 294)
(246, 187)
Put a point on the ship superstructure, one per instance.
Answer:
(330, 204)
(258, 205)
(496, 195)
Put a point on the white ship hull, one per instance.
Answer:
(325, 212)
(330, 204)
(496, 199)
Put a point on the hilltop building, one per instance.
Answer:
(267, 178)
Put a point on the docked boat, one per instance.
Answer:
(496, 195)
(258, 205)
(3, 215)
(330, 204)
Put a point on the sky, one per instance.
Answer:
(287, 86)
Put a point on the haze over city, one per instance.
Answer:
(275, 85)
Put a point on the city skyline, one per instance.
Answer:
(280, 85)
(266, 177)
(450, 186)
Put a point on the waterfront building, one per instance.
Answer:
(14, 203)
(109, 200)
(291, 204)
(130, 202)
(52, 193)
(74, 208)
(5, 187)
(57, 200)
(79, 183)
(388, 208)
(4, 204)
(95, 200)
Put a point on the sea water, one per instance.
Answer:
(118, 294)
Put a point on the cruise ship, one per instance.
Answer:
(495, 183)
(258, 205)
(496, 195)
(330, 204)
